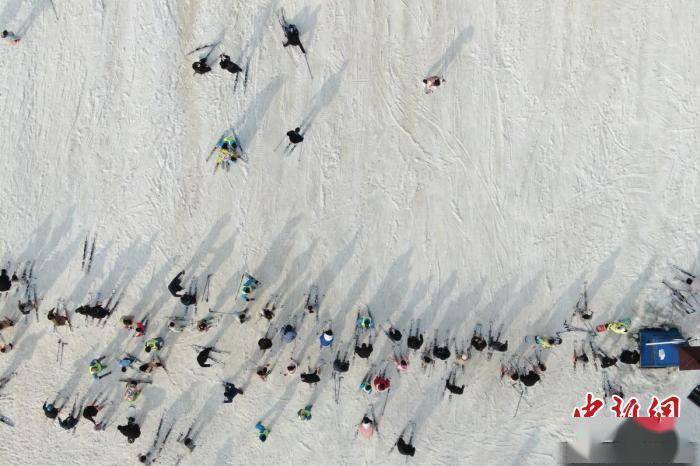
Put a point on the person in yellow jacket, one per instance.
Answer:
(618, 327)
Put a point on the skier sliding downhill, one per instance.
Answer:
(291, 33)
(10, 37)
(432, 82)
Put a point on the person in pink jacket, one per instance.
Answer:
(432, 82)
(366, 428)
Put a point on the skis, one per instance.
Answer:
(685, 272)
(336, 387)
(680, 299)
(593, 351)
(136, 381)
(88, 253)
(59, 352)
(206, 288)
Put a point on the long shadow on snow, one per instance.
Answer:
(324, 97)
(247, 126)
(23, 353)
(261, 24)
(454, 49)
(37, 9)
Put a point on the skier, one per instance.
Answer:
(205, 324)
(6, 347)
(295, 137)
(139, 328)
(461, 357)
(263, 371)
(431, 83)
(201, 66)
(90, 411)
(153, 344)
(248, 286)
(364, 350)
(547, 342)
(5, 281)
(10, 37)
(366, 428)
(452, 387)
(132, 391)
(364, 322)
(529, 379)
(175, 286)
(263, 431)
(326, 338)
(96, 367)
(126, 361)
(393, 334)
(619, 327)
(228, 65)
(441, 352)
(51, 410)
(311, 377)
(72, 419)
(629, 356)
(496, 345)
(341, 364)
(291, 367)
(405, 448)
(401, 363)
(230, 392)
(606, 361)
(6, 322)
(264, 343)
(381, 383)
(177, 324)
(203, 356)
(288, 333)
(305, 413)
(292, 34)
(188, 439)
(152, 364)
(131, 430)
(58, 319)
(478, 341)
(189, 298)
(243, 316)
(415, 341)
(268, 311)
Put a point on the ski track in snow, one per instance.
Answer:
(560, 149)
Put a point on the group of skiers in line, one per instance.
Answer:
(365, 332)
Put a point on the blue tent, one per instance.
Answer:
(659, 347)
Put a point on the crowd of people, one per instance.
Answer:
(411, 350)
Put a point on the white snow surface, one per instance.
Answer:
(561, 149)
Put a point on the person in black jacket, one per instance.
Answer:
(629, 356)
(201, 66)
(131, 430)
(228, 65)
(295, 137)
(5, 281)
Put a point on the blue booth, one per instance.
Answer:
(658, 347)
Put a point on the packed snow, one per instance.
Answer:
(559, 151)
